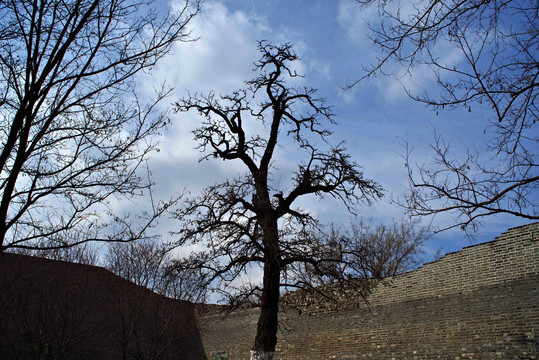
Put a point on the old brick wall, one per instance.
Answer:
(479, 303)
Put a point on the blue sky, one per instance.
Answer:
(373, 118)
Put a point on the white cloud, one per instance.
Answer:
(372, 116)
(355, 20)
(219, 61)
(221, 58)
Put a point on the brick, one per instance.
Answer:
(479, 303)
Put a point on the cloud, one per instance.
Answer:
(221, 58)
(370, 117)
(420, 78)
(354, 20)
(219, 61)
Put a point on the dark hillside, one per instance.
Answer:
(58, 310)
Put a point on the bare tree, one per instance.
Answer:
(250, 221)
(366, 251)
(140, 261)
(82, 254)
(353, 260)
(148, 263)
(496, 72)
(72, 129)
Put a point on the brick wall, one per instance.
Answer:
(479, 303)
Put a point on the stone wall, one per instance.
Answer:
(479, 303)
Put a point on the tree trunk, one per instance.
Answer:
(266, 334)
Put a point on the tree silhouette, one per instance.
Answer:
(496, 46)
(148, 263)
(72, 130)
(251, 220)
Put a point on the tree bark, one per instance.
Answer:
(266, 334)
